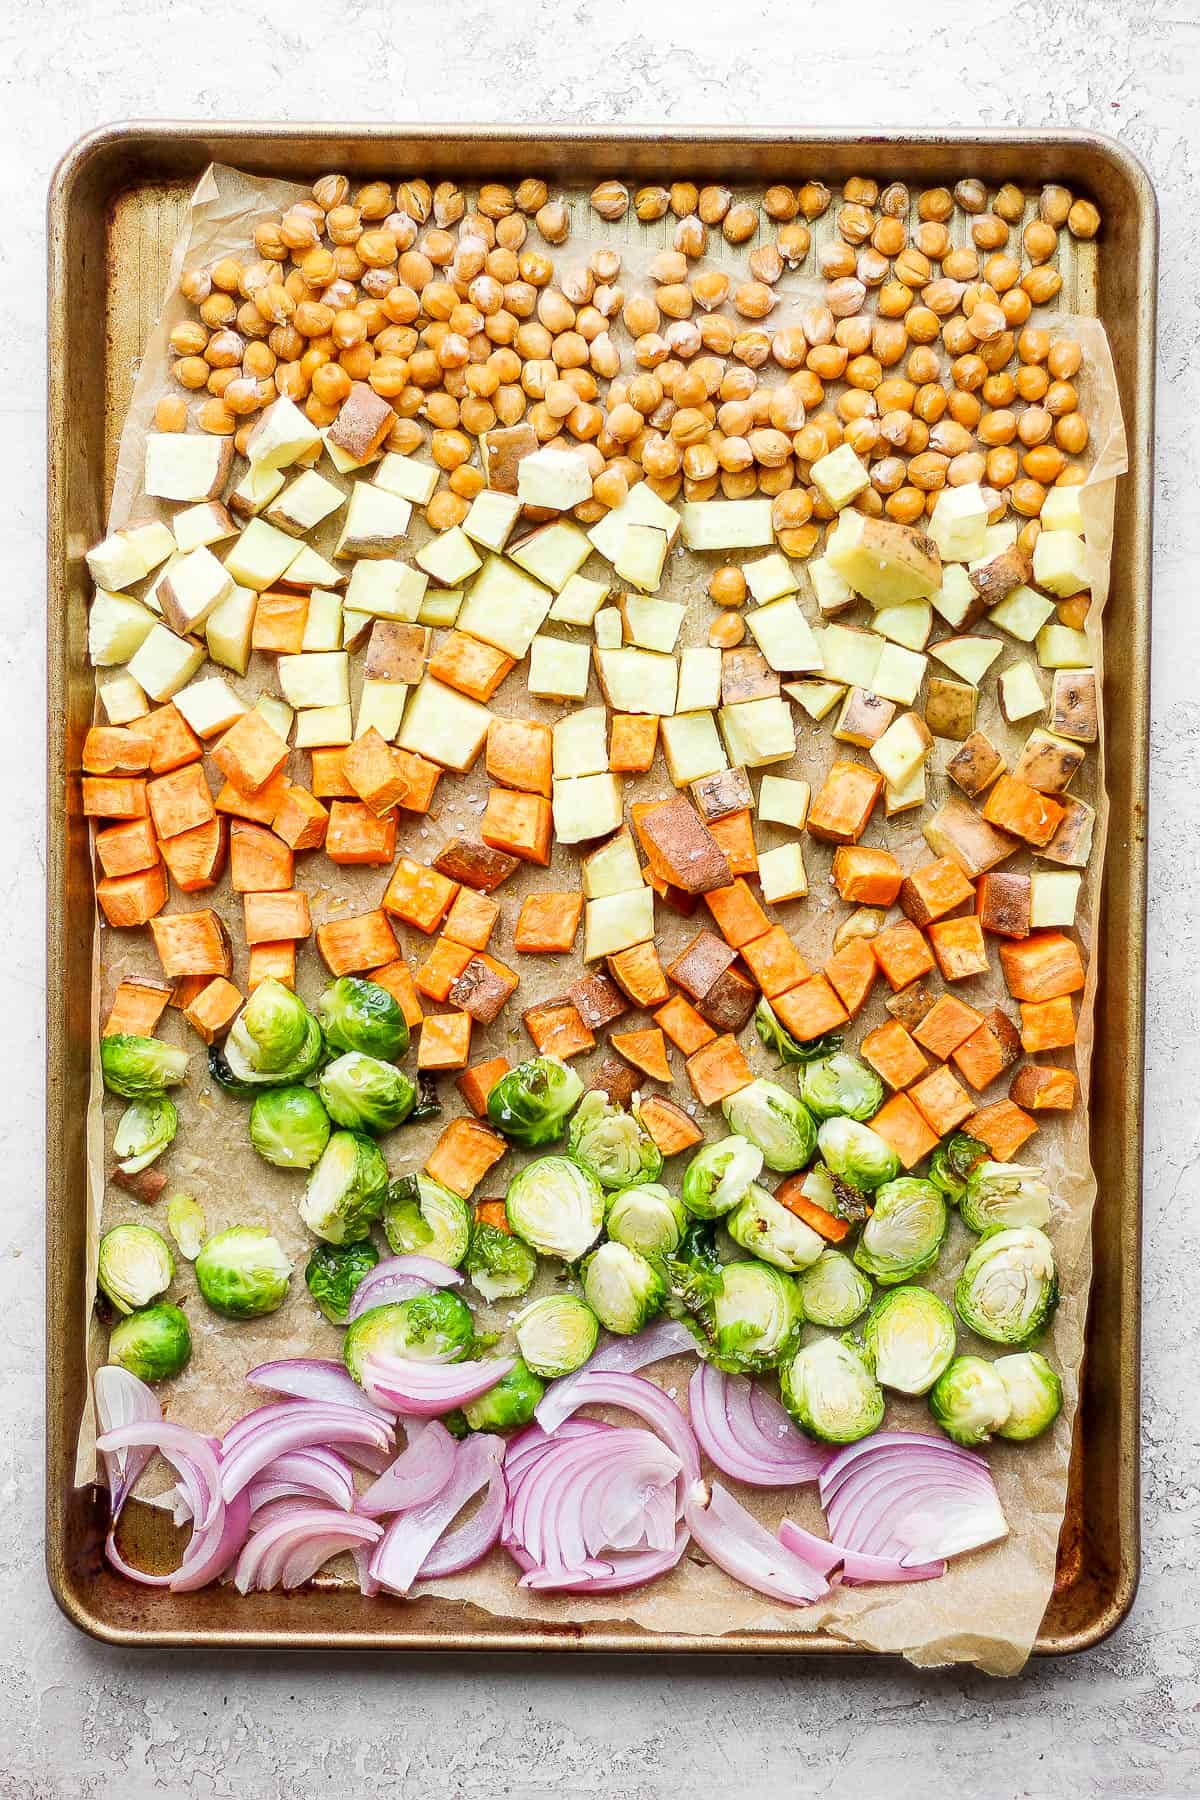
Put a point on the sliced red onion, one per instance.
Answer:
(782, 1438)
(275, 1431)
(720, 1408)
(428, 1389)
(418, 1474)
(399, 1278)
(314, 1473)
(636, 1395)
(619, 1572)
(367, 1584)
(737, 1543)
(912, 1498)
(121, 1399)
(570, 1502)
(856, 1569)
(528, 1445)
(411, 1536)
(311, 1378)
(292, 1548)
(470, 1543)
(190, 1454)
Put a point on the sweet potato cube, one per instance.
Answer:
(1044, 966)
(1003, 1127)
(1002, 904)
(557, 1029)
(942, 1102)
(372, 769)
(147, 1185)
(615, 1078)
(738, 916)
(259, 862)
(680, 1021)
(396, 651)
(717, 1070)
(1017, 808)
(790, 1193)
(734, 836)
(136, 1009)
(548, 923)
(729, 1001)
(124, 849)
(1044, 1089)
(668, 1124)
(1047, 1024)
(356, 837)
(948, 1023)
(472, 919)
(420, 778)
(191, 943)
(484, 987)
(350, 946)
(172, 740)
(463, 1154)
(250, 752)
(521, 824)
(992, 1047)
(116, 750)
(851, 972)
(115, 797)
(196, 858)
(959, 947)
(632, 743)
(775, 962)
(933, 890)
(442, 968)
(639, 975)
(480, 866)
(681, 848)
(445, 1041)
(329, 776)
(842, 806)
(679, 902)
(396, 977)
(646, 1050)
(179, 801)
(185, 988)
(363, 422)
(598, 998)
(260, 808)
(133, 899)
(470, 667)
(902, 954)
(956, 830)
(214, 1009)
(279, 623)
(520, 754)
(810, 1010)
(700, 964)
(893, 1055)
(900, 1124)
(301, 821)
(911, 1004)
(866, 877)
(272, 918)
(271, 962)
(418, 895)
(477, 1082)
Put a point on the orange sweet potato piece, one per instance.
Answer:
(272, 918)
(959, 947)
(350, 946)
(363, 422)
(679, 902)
(418, 895)
(948, 1023)
(136, 1008)
(124, 849)
(472, 919)
(598, 998)
(851, 972)
(279, 622)
(681, 848)
(739, 918)
(1002, 904)
(1042, 967)
(775, 962)
(196, 858)
(520, 754)
(1044, 1089)
(893, 1055)
(842, 807)
(790, 1193)
(717, 1070)
(463, 1154)
(191, 943)
(941, 1101)
(116, 750)
(810, 1010)
(271, 962)
(442, 968)
(911, 1004)
(114, 797)
(669, 1125)
(548, 922)
(616, 1079)
(492, 1212)
(179, 801)
(558, 1029)
(250, 752)
(639, 975)
(632, 743)
(185, 988)
(992, 1047)
(484, 987)
(370, 766)
(445, 1041)
(420, 778)
(260, 808)
(133, 899)
(866, 877)
(933, 890)
(476, 865)
(902, 954)
(729, 1001)
(470, 667)
(1003, 1127)
(900, 1124)
(646, 1050)
(521, 824)
(328, 775)
(259, 862)
(734, 834)
(1019, 809)
(356, 837)
(172, 740)
(396, 977)
(214, 1009)
(699, 965)
(477, 1082)
(1047, 1024)
(680, 1021)
(300, 820)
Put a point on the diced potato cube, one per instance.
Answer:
(260, 556)
(558, 479)
(553, 553)
(691, 747)
(1053, 897)
(608, 628)
(117, 628)
(1061, 510)
(323, 621)
(908, 624)
(318, 727)
(386, 589)
(907, 797)
(209, 706)
(958, 523)
(580, 743)
(491, 518)
(969, 657)
(229, 630)
(864, 718)
(559, 670)
(163, 663)
(1059, 647)
(888, 563)
(187, 465)
(589, 806)
(1060, 563)
(343, 460)
(840, 476)
(641, 556)
(785, 638)
(579, 601)
(612, 869)
(757, 732)
(725, 524)
(699, 678)
(405, 476)
(122, 698)
(440, 607)
(651, 624)
(956, 600)
(833, 592)
(257, 488)
(641, 506)
(899, 674)
(505, 607)
(638, 681)
(1022, 613)
(305, 503)
(818, 698)
(310, 570)
(277, 713)
(122, 558)
(782, 801)
(781, 873)
(193, 586)
(850, 657)
(444, 726)
(450, 558)
(770, 578)
(315, 678)
(617, 922)
(902, 749)
(376, 522)
(282, 436)
(381, 705)
(201, 525)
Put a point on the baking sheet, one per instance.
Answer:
(1009, 1586)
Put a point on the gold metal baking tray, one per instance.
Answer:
(115, 203)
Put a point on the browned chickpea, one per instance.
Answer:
(1044, 463)
(1071, 433)
(1064, 359)
(1032, 382)
(905, 506)
(726, 631)
(1042, 284)
(999, 389)
(170, 413)
(998, 427)
(813, 199)
(989, 232)
(1001, 466)
(1083, 219)
(1027, 498)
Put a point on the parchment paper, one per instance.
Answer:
(987, 1608)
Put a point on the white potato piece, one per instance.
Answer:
(386, 589)
(282, 436)
(589, 806)
(1022, 613)
(557, 479)
(450, 558)
(613, 868)
(817, 698)
(959, 521)
(617, 922)
(608, 628)
(641, 506)
(840, 476)
(1060, 563)
(505, 608)
(899, 674)
(781, 873)
(278, 714)
(699, 678)
(310, 570)
(444, 726)
(491, 518)
(208, 522)
(186, 465)
(579, 600)
(692, 747)
(642, 556)
(757, 732)
(229, 630)
(261, 555)
(306, 503)
(849, 656)
(164, 663)
(580, 743)
(1053, 898)
(323, 622)
(726, 524)
(376, 522)
(969, 657)
(552, 554)
(381, 705)
(323, 727)
(638, 681)
(770, 577)
(651, 624)
(909, 624)
(784, 801)
(195, 584)
(440, 606)
(118, 626)
(210, 705)
(315, 678)
(122, 699)
(785, 638)
(559, 670)
(405, 476)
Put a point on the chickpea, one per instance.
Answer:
(989, 232)
(726, 631)
(1044, 463)
(845, 296)
(1071, 433)
(964, 408)
(1040, 240)
(855, 222)
(739, 224)
(218, 310)
(446, 509)
(1001, 466)
(1083, 219)
(893, 300)
(998, 427)
(1042, 284)
(610, 199)
(1027, 498)
(553, 221)
(958, 338)
(889, 236)
(752, 300)
(215, 417)
(905, 506)
(836, 261)
(170, 413)
(1016, 306)
(793, 243)
(871, 268)
(1064, 359)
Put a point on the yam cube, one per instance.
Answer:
(172, 740)
(180, 800)
(328, 775)
(993, 1047)
(271, 962)
(681, 848)
(114, 750)
(259, 862)
(646, 1050)
(617, 1079)
(472, 919)
(679, 902)
(906, 1129)
(942, 1101)
(976, 765)
(669, 1125)
(1044, 967)
(115, 797)
(956, 830)
(843, 804)
(810, 1010)
(851, 972)
(959, 947)
(893, 1055)
(396, 977)
(723, 794)
(520, 824)
(250, 753)
(475, 865)
(933, 890)
(700, 964)
(948, 1023)
(357, 838)
(351, 946)
(1003, 1127)
(124, 849)
(912, 1004)
(734, 835)
(558, 1029)
(484, 987)
(136, 1009)
(191, 943)
(470, 667)
(775, 962)
(547, 923)
(737, 914)
(420, 778)
(477, 1082)
(279, 624)
(680, 1021)
(866, 877)
(134, 899)
(372, 769)
(196, 858)
(301, 820)
(599, 999)
(463, 1154)
(639, 974)
(1002, 904)
(632, 744)
(1047, 1024)
(419, 895)
(214, 1009)
(729, 1002)
(274, 918)
(445, 1042)
(261, 807)
(1018, 808)
(1044, 1089)
(717, 1070)
(902, 954)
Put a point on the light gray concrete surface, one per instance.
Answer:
(77, 1720)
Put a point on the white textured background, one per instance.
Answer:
(78, 1720)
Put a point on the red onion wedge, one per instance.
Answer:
(636, 1395)
(856, 1569)
(277, 1430)
(312, 1378)
(737, 1543)
(566, 1507)
(291, 1549)
(412, 1536)
(399, 1278)
(218, 1530)
(617, 1573)
(418, 1474)
(428, 1389)
(121, 1399)
(913, 1498)
(470, 1543)
(313, 1474)
(732, 1433)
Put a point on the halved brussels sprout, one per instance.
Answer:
(904, 1234)
(841, 1086)
(776, 1038)
(140, 1068)
(768, 1230)
(1034, 1395)
(999, 1193)
(346, 1190)
(146, 1128)
(647, 1218)
(611, 1143)
(719, 1174)
(134, 1266)
(154, 1344)
(952, 1162)
(757, 1318)
(365, 1094)
(334, 1272)
(1008, 1289)
(557, 1206)
(357, 1014)
(969, 1400)
(855, 1153)
(910, 1336)
(185, 1222)
(556, 1334)
(423, 1218)
(833, 1292)
(509, 1404)
(779, 1124)
(623, 1288)
(434, 1327)
(500, 1265)
(532, 1103)
(289, 1127)
(274, 1040)
(243, 1272)
(830, 1391)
